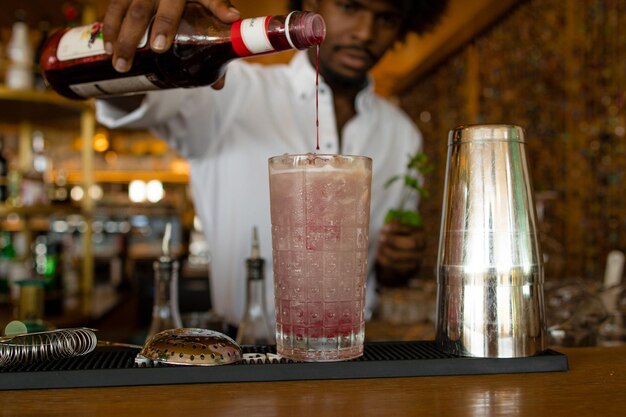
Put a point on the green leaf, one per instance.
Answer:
(418, 165)
(411, 182)
(406, 217)
(391, 180)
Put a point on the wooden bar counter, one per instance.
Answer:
(595, 385)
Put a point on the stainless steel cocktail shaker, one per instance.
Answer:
(489, 268)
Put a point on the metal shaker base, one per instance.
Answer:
(528, 347)
(490, 320)
(114, 366)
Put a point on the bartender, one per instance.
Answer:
(228, 131)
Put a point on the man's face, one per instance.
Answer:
(358, 33)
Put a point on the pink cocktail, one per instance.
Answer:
(320, 207)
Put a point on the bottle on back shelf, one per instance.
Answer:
(46, 253)
(34, 182)
(4, 172)
(7, 256)
(20, 53)
(75, 64)
(255, 327)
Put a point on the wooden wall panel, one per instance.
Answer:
(559, 70)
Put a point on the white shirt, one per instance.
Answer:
(228, 136)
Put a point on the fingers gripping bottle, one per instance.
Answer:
(75, 65)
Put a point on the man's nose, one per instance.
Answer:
(364, 29)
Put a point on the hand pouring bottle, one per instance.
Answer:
(75, 64)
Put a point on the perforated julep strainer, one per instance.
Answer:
(189, 346)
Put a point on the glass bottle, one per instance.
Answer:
(75, 64)
(47, 269)
(4, 171)
(19, 50)
(165, 312)
(14, 185)
(255, 327)
(31, 306)
(7, 256)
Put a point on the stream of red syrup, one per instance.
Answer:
(317, 87)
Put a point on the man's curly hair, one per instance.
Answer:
(419, 16)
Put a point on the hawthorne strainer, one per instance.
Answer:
(189, 346)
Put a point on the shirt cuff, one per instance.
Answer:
(114, 117)
(155, 108)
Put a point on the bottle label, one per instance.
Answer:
(85, 41)
(249, 36)
(114, 86)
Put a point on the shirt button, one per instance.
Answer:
(329, 145)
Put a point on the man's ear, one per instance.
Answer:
(311, 5)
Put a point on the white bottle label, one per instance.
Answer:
(84, 41)
(254, 34)
(249, 36)
(114, 87)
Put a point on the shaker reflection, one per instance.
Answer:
(504, 402)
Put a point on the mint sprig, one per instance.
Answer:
(417, 166)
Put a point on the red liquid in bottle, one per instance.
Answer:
(181, 66)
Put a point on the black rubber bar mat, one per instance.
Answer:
(114, 366)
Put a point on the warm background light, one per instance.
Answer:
(77, 193)
(137, 191)
(100, 142)
(154, 191)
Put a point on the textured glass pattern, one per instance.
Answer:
(320, 219)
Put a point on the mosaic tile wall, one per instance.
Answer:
(557, 68)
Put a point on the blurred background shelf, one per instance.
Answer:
(39, 210)
(125, 177)
(39, 107)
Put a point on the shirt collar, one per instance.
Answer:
(302, 77)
